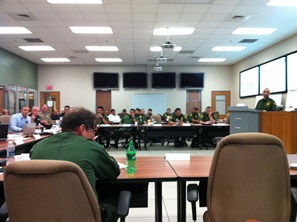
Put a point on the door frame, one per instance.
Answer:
(228, 101)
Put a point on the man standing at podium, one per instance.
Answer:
(266, 103)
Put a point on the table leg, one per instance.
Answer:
(181, 201)
(158, 201)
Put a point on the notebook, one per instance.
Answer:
(3, 131)
(29, 129)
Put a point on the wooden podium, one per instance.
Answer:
(283, 125)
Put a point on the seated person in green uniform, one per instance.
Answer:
(166, 115)
(149, 113)
(102, 132)
(140, 119)
(179, 119)
(76, 144)
(193, 117)
(207, 117)
(127, 119)
(266, 103)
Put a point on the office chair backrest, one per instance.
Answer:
(49, 190)
(4, 119)
(249, 179)
(157, 118)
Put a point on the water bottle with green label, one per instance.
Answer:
(131, 159)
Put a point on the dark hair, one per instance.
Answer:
(76, 117)
(137, 109)
(100, 107)
(66, 106)
(177, 109)
(195, 108)
(112, 110)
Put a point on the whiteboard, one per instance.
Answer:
(156, 101)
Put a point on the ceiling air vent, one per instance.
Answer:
(33, 40)
(23, 16)
(186, 52)
(248, 40)
(80, 51)
(239, 18)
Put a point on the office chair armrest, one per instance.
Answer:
(3, 212)
(192, 193)
(124, 203)
(293, 204)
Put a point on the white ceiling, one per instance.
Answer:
(133, 21)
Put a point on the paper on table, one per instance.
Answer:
(293, 166)
(177, 156)
(121, 166)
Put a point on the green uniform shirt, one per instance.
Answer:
(194, 116)
(104, 117)
(268, 104)
(164, 117)
(140, 119)
(87, 154)
(182, 117)
(127, 119)
(204, 117)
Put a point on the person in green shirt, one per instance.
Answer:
(193, 117)
(166, 115)
(127, 119)
(179, 119)
(207, 117)
(76, 144)
(103, 132)
(266, 103)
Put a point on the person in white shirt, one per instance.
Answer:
(113, 117)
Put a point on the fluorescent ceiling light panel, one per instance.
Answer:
(37, 48)
(108, 60)
(159, 48)
(211, 60)
(14, 30)
(91, 30)
(75, 1)
(287, 3)
(102, 48)
(228, 48)
(173, 31)
(55, 59)
(253, 31)
(177, 48)
(156, 49)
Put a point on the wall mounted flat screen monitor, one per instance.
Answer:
(273, 76)
(135, 80)
(163, 80)
(106, 80)
(249, 82)
(192, 80)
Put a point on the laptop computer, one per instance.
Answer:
(3, 131)
(29, 129)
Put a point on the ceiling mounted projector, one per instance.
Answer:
(157, 68)
(161, 59)
(168, 45)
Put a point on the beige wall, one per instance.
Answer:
(287, 46)
(76, 84)
(76, 87)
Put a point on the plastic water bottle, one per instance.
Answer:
(10, 149)
(131, 159)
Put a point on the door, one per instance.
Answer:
(51, 99)
(220, 100)
(193, 100)
(2, 100)
(103, 98)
